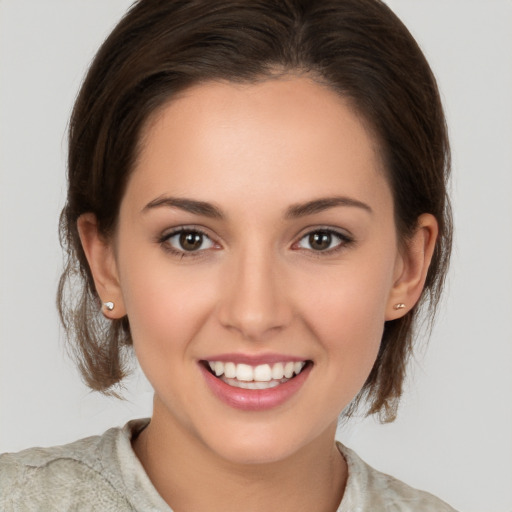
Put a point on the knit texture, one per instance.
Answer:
(103, 473)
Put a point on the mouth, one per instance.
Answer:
(256, 377)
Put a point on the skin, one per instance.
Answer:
(255, 286)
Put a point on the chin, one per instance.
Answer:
(259, 445)
(253, 453)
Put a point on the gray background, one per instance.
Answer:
(453, 436)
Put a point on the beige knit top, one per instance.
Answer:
(103, 473)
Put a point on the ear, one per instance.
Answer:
(412, 267)
(101, 258)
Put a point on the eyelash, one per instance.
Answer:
(182, 253)
(344, 241)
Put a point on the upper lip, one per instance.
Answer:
(255, 359)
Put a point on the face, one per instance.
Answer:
(256, 242)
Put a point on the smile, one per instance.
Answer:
(262, 376)
(255, 387)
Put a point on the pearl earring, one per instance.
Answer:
(109, 305)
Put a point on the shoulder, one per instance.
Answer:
(76, 476)
(368, 489)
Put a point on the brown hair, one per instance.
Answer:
(359, 48)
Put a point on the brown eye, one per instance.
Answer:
(320, 240)
(323, 240)
(190, 240)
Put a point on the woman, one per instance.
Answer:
(257, 204)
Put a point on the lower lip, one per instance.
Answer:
(255, 399)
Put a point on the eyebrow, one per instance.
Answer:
(188, 205)
(293, 212)
(322, 204)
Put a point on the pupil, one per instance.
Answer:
(320, 240)
(191, 241)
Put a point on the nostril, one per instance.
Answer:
(253, 302)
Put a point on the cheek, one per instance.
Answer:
(164, 303)
(346, 310)
(166, 311)
(348, 323)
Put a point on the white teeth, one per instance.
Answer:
(261, 376)
(263, 373)
(252, 385)
(297, 367)
(244, 372)
(288, 370)
(218, 368)
(278, 371)
(230, 370)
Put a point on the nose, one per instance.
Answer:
(254, 302)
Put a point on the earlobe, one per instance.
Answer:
(413, 267)
(100, 256)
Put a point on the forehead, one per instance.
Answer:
(290, 134)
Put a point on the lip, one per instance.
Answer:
(255, 399)
(254, 359)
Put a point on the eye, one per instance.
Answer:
(188, 241)
(323, 240)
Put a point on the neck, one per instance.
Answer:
(189, 476)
